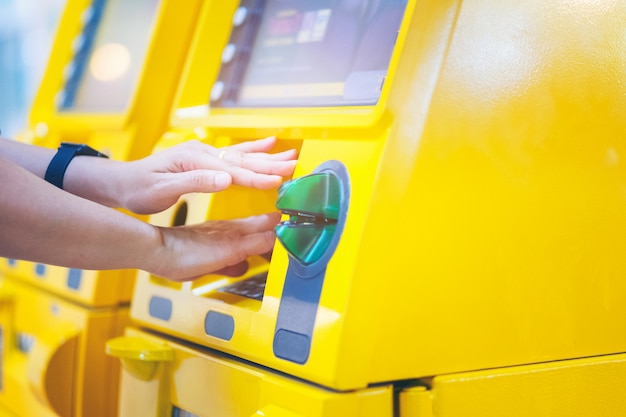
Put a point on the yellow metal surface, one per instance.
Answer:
(53, 361)
(93, 288)
(510, 254)
(6, 413)
(124, 134)
(575, 388)
(205, 384)
(415, 402)
(485, 222)
(139, 357)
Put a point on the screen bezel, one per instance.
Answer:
(233, 75)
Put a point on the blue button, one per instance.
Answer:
(74, 277)
(40, 270)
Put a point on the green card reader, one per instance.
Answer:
(312, 203)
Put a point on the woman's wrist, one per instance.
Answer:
(96, 179)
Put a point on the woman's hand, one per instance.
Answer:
(154, 183)
(188, 252)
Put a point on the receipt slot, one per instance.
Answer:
(316, 205)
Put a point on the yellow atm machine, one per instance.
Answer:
(110, 82)
(452, 239)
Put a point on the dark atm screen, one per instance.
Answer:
(109, 55)
(285, 53)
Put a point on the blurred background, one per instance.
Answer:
(27, 29)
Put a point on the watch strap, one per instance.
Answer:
(61, 160)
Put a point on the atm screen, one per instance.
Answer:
(291, 53)
(109, 55)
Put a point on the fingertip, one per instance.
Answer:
(274, 216)
(274, 181)
(267, 141)
(269, 237)
(264, 182)
(267, 219)
(222, 180)
(292, 163)
(293, 152)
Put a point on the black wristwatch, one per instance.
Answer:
(60, 161)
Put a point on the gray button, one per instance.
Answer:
(217, 91)
(240, 16)
(228, 53)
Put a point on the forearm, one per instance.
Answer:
(154, 183)
(32, 158)
(42, 223)
(96, 179)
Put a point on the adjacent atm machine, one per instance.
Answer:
(109, 83)
(452, 239)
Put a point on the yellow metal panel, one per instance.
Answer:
(50, 359)
(511, 254)
(415, 402)
(576, 388)
(6, 413)
(205, 384)
(53, 361)
(94, 288)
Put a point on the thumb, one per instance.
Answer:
(257, 243)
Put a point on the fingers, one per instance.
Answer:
(243, 226)
(257, 149)
(253, 180)
(260, 223)
(256, 173)
(281, 164)
(248, 163)
(254, 244)
(246, 237)
(196, 167)
(257, 170)
(217, 246)
(287, 155)
(234, 270)
(196, 181)
(259, 145)
(225, 254)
